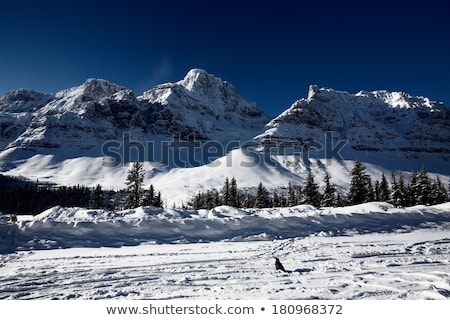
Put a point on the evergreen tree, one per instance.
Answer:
(370, 192)
(196, 202)
(438, 192)
(97, 200)
(292, 199)
(310, 191)
(134, 182)
(340, 200)
(262, 198)
(448, 189)
(413, 189)
(158, 200)
(149, 197)
(226, 196)
(248, 201)
(216, 199)
(384, 190)
(234, 196)
(359, 185)
(276, 201)
(377, 190)
(399, 196)
(207, 200)
(423, 188)
(403, 191)
(395, 191)
(328, 197)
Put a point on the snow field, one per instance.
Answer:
(412, 265)
(369, 251)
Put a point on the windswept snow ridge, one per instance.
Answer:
(76, 227)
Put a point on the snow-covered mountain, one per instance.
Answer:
(203, 106)
(391, 130)
(59, 137)
(78, 117)
(379, 121)
(200, 105)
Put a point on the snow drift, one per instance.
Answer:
(61, 227)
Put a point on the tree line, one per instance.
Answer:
(22, 196)
(420, 189)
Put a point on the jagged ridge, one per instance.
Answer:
(370, 121)
(201, 106)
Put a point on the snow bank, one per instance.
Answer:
(61, 227)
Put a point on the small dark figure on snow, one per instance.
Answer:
(278, 265)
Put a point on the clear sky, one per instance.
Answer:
(270, 50)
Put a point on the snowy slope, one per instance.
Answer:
(371, 251)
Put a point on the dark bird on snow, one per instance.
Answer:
(278, 265)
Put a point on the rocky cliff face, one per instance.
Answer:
(201, 106)
(76, 118)
(378, 121)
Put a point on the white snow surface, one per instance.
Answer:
(369, 251)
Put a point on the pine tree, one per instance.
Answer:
(413, 189)
(328, 197)
(233, 190)
(216, 199)
(262, 198)
(310, 191)
(291, 199)
(158, 200)
(448, 189)
(196, 202)
(226, 197)
(423, 188)
(135, 181)
(384, 190)
(276, 201)
(97, 200)
(395, 197)
(438, 192)
(359, 185)
(207, 201)
(340, 200)
(149, 197)
(377, 190)
(370, 196)
(248, 201)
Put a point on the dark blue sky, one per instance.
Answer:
(270, 50)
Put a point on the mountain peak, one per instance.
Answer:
(23, 100)
(204, 104)
(412, 127)
(313, 89)
(199, 80)
(92, 88)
